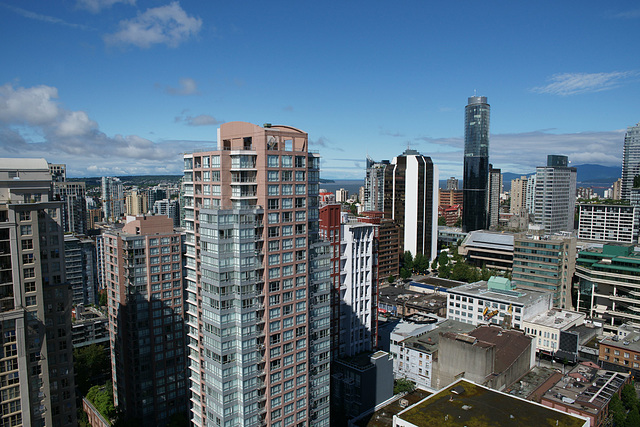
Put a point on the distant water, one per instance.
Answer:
(352, 186)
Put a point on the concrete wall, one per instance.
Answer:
(456, 357)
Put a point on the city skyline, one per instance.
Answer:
(124, 87)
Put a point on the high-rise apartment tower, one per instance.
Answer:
(630, 160)
(257, 281)
(36, 354)
(143, 278)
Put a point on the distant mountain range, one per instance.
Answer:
(589, 175)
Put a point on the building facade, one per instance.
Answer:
(258, 281)
(493, 203)
(82, 273)
(609, 285)
(73, 196)
(374, 185)
(518, 196)
(143, 279)
(475, 182)
(607, 223)
(112, 198)
(555, 195)
(496, 302)
(630, 160)
(136, 202)
(546, 262)
(410, 198)
(36, 356)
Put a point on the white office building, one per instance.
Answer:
(496, 301)
(607, 223)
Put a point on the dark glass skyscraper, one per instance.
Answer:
(476, 164)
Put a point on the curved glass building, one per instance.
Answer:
(476, 164)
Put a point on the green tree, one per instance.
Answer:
(90, 362)
(408, 261)
(103, 298)
(444, 271)
(405, 273)
(442, 220)
(443, 259)
(633, 418)
(629, 397)
(616, 411)
(420, 263)
(101, 396)
(391, 279)
(458, 222)
(403, 385)
(434, 264)
(485, 273)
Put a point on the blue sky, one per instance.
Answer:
(114, 87)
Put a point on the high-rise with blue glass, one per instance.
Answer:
(475, 184)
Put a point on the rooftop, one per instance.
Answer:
(489, 240)
(510, 344)
(383, 417)
(480, 406)
(23, 164)
(631, 341)
(586, 387)
(481, 290)
(428, 341)
(557, 318)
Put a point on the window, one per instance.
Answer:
(272, 161)
(25, 230)
(272, 176)
(273, 204)
(301, 189)
(27, 244)
(300, 163)
(273, 218)
(273, 190)
(286, 161)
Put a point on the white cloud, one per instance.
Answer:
(30, 106)
(577, 83)
(168, 25)
(34, 124)
(75, 123)
(95, 6)
(43, 18)
(186, 86)
(200, 120)
(629, 14)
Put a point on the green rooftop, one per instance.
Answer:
(478, 406)
(497, 283)
(617, 250)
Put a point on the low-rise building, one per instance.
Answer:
(360, 383)
(496, 301)
(551, 327)
(467, 403)
(621, 353)
(585, 391)
(488, 355)
(414, 357)
(488, 249)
